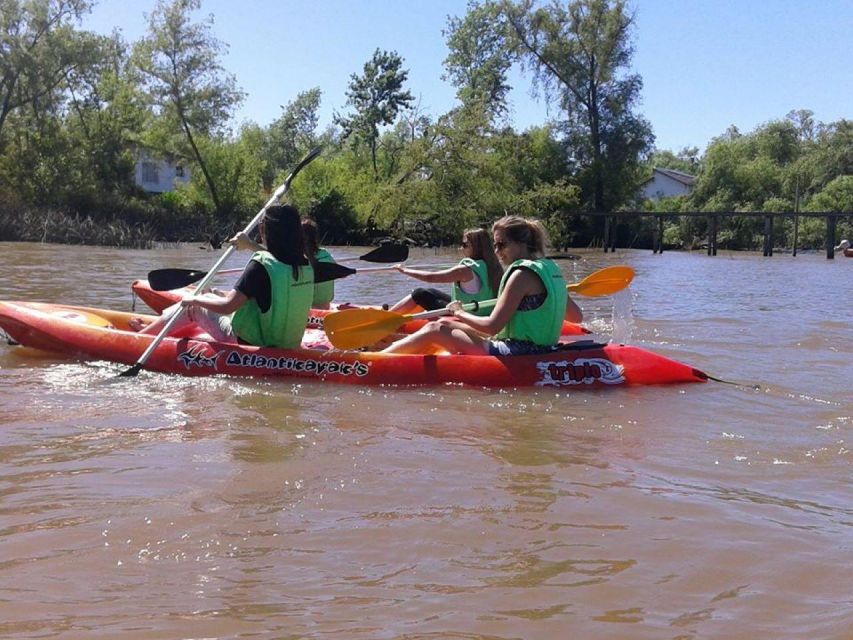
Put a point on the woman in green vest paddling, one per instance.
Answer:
(476, 277)
(531, 304)
(269, 304)
(324, 292)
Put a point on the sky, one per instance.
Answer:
(706, 64)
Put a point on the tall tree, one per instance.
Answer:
(38, 49)
(180, 64)
(377, 97)
(580, 54)
(479, 58)
(292, 133)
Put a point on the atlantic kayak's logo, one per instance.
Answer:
(296, 365)
(580, 371)
(194, 357)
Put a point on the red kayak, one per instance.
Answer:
(97, 334)
(159, 300)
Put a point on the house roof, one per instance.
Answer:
(679, 176)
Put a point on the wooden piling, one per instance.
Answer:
(768, 235)
(712, 235)
(831, 224)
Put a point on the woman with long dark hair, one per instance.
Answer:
(270, 303)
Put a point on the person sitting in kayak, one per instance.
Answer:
(324, 292)
(270, 303)
(531, 304)
(475, 278)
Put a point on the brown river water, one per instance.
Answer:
(162, 507)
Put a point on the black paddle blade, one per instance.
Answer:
(325, 271)
(168, 279)
(387, 253)
(132, 372)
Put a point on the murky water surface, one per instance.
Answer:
(164, 507)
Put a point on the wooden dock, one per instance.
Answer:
(832, 217)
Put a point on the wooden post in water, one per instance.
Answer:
(606, 242)
(831, 223)
(796, 216)
(768, 235)
(712, 235)
(657, 240)
(613, 235)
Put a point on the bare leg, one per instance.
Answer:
(209, 322)
(154, 328)
(453, 337)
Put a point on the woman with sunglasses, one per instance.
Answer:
(270, 303)
(475, 278)
(531, 306)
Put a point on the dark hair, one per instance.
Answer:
(481, 243)
(309, 234)
(283, 236)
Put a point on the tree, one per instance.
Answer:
(38, 49)
(479, 58)
(579, 56)
(179, 61)
(377, 97)
(292, 133)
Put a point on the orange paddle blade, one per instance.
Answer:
(604, 282)
(356, 328)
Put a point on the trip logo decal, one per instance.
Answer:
(580, 371)
(315, 322)
(194, 357)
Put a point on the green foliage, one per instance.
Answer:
(377, 96)
(836, 196)
(179, 63)
(75, 108)
(580, 54)
(480, 57)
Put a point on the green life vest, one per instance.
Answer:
(324, 292)
(290, 302)
(544, 324)
(485, 292)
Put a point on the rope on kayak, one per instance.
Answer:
(705, 376)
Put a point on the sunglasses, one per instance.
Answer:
(465, 244)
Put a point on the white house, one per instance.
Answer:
(666, 183)
(157, 174)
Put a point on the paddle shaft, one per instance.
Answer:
(276, 196)
(394, 268)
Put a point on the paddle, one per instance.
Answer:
(135, 369)
(341, 271)
(168, 279)
(387, 253)
(356, 328)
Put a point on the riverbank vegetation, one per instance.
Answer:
(78, 109)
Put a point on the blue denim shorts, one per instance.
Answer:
(511, 347)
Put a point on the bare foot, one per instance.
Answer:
(137, 324)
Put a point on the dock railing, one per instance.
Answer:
(613, 219)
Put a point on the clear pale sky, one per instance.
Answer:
(705, 64)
